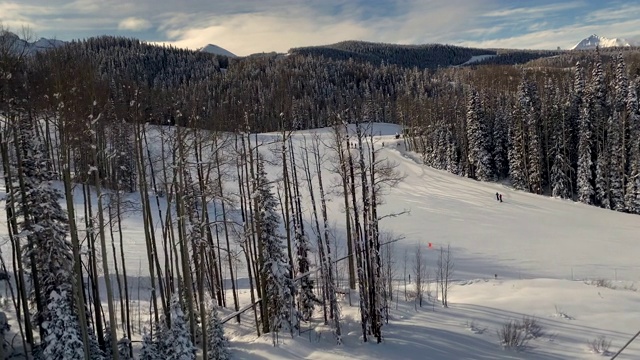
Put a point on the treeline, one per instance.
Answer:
(429, 56)
(206, 204)
(562, 133)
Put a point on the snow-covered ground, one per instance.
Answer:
(477, 58)
(547, 255)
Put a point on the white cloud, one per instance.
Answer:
(134, 24)
(250, 26)
(245, 34)
(409, 22)
(533, 11)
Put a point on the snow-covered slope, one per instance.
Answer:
(215, 49)
(544, 252)
(477, 58)
(594, 41)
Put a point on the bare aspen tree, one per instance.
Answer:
(183, 242)
(147, 226)
(219, 176)
(341, 147)
(164, 298)
(250, 169)
(388, 271)
(334, 310)
(419, 272)
(244, 241)
(359, 245)
(444, 268)
(319, 240)
(103, 247)
(405, 260)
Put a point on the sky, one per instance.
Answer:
(245, 27)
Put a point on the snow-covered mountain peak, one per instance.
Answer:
(594, 41)
(215, 49)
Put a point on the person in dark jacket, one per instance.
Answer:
(497, 197)
(500, 197)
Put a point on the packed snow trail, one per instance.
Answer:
(526, 235)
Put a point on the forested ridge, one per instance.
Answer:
(566, 125)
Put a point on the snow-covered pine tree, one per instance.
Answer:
(560, 170)
(176, 341)
(149, 349)
(602, 177)
(124, 349)
(501, 142)
(560, 142)
(452, 158)
(534, 144)
(574, 119)
(107, 342)
(94, 346)
(585, 176)
(218, 344)
(43, 222)
(599, 114)
(618, 136)
(4, 329)
(275, 269)
(632, 193)
(517, 142)
(616, 160)
(440, 154)
(63, 339)
(621, 84)
(124, 346)
(479, 157)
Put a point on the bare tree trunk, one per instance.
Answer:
(236, 303)
(27, 220)
(182, 240)
(344, 177)
(15, 244)
(445, 267)
(247, 246)
(418, 272)
(103, 250)
(364, 304)
(264, 311)
(203, 309)
(164, 300)
(75, 243)
(124, 272)
(321, 252)
(146, 224)
(333, 301)
(115, 257)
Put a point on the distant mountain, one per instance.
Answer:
(45, 44)
(594, 41)
(22, 46)
(217, 50)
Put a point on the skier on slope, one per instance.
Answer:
(500, 197)
(497, 196)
